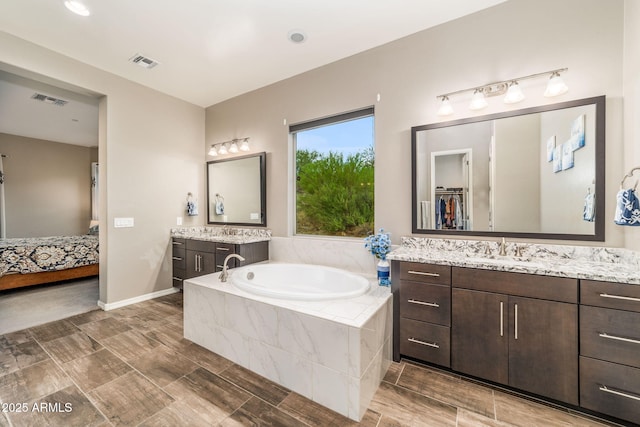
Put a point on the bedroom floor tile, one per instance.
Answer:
(129, 371)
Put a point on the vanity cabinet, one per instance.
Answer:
(610, 348)
(425, 307)
(193, 258)
(516, 329)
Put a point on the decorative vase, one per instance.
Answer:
(383, 272)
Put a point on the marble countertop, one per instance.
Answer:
(232, 235)
(590, 263)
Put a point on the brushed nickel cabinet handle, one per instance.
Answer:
(620, 297)
(177, 243)
(501, 318)
(613, 337)
(515, 334)
(178, 279)
(428, 344)
(619, 393)
(222, 249)
(176, 258)
(423, 273)
(430, 304)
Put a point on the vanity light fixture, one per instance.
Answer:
(514, 93)
(229, 147)
(511, 87)
(478, 101)
(556, 86)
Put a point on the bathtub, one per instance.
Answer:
(332, 350)
(299, 281)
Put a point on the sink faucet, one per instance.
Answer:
(503, 249)
(223, 276)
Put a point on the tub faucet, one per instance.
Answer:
(223, 276)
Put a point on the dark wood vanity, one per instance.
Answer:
(193, 258)
(568, 340)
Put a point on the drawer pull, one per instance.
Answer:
(423, 273)
(618, 393)
(620, 297)
(428, 344)
(613, 337)
(176, 258)
(177, 243)
(222, 249)
(178, 279)
(430, 304)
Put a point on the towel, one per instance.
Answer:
(192, 208)
(589, 210)
(219, 207)
(627, 208)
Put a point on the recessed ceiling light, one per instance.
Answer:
(77, 7)
(296, 36)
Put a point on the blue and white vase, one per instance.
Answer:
(383, 268)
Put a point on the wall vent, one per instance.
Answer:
(143, 61)
(49, 99)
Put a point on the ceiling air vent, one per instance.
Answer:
(49, 99)
(143, 61)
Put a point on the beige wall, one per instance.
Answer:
(516, 38)
(151, 155)
(631, 73)
(47, 187)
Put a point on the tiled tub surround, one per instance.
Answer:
(233, 235)
(332, 352)
(578, 262)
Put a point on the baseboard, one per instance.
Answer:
(135, 300)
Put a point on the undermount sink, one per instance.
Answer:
(506, 261)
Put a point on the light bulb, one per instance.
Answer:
(445, 108)
(556, 86)
(245, 145)
(514, 94)
(213, 152)
(233, 148)
(478, 101)
(223, 149)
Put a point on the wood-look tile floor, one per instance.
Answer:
(132, 367)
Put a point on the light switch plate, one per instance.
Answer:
(122, 222)
(179, 220)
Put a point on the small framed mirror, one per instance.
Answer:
(236, 191)
(533, 173)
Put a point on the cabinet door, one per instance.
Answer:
(543, 348)
(200, 263)
(479, 334)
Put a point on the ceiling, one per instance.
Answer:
(212, 50)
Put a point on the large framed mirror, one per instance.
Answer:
(532, 173)
(236, 191)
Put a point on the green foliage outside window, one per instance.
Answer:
(334, 193)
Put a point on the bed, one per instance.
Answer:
(39, 260)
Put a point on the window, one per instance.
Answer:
(334, 175)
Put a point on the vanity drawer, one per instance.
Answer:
(201, 245)
(179, 260)
(611, 335)
(178, 247)
(552, 288)
(429, 303)
(178, 277)
(610, 295)
(610, 388)
(425, 341)
(425, 273)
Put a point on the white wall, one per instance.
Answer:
(516, 38)
(151, 155)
